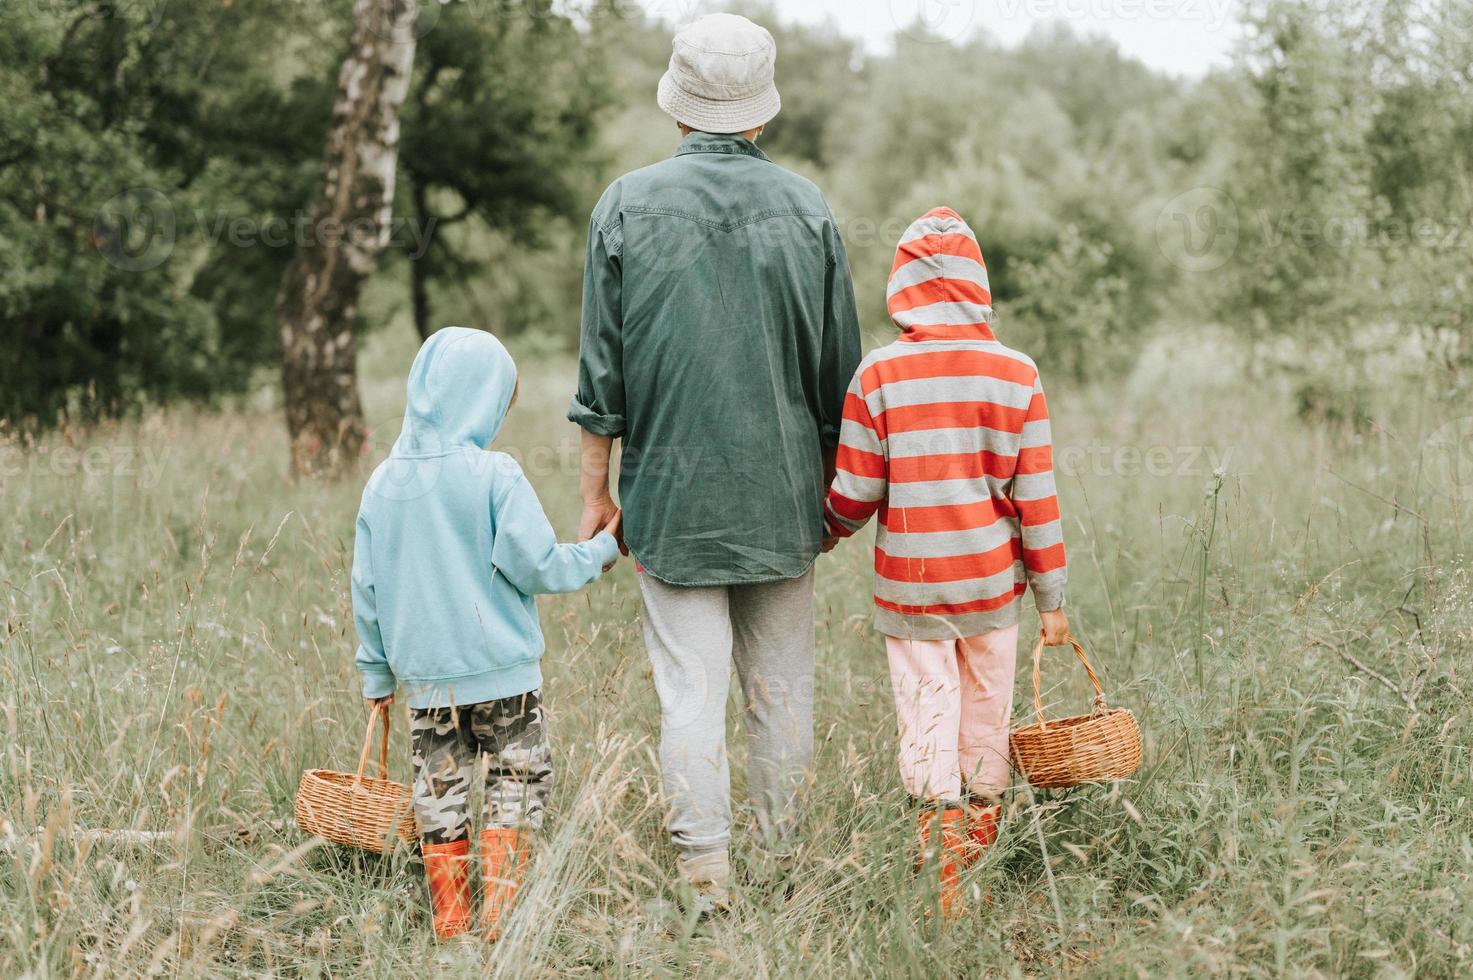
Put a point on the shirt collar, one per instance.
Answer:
(719, 143)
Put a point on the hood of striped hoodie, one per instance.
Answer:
(938, 285)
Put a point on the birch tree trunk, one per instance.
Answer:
(318, 298)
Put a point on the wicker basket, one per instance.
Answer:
(358, 810)
(1100, 746)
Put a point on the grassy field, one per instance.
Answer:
(1286, 608)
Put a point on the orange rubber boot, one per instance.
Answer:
(446, 867)
(981, 829)
(950, 856)
(504, 856)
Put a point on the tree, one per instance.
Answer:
(501, 121)
(1056, 177)
(1349, 152)
(318, 299)
(120, 126)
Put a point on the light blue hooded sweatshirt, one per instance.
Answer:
(452, 543)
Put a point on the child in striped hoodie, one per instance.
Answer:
(946, 435)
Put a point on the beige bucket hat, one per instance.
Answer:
(721, 76)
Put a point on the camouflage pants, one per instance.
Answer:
(509, 742)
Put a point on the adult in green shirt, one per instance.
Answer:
(719, 336)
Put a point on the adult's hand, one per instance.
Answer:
(599, 509)
(602, 514)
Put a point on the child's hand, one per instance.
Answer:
(612, 527)
(600, 515)
(1055, 627)
(829, 544)
(376, 704)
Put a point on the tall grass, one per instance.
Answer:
(1293, 631)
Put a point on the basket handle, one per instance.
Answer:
(383, 748)
(1099, 698)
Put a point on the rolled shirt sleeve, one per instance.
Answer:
(598, 406)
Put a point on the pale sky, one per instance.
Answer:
(1180, 37)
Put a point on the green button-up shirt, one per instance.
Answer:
(719, 336)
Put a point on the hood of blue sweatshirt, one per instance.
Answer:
(452, 544)
(460, 388)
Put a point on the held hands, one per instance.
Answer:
(1055, 627)
(377, 704)
(829, 544)
(602, 514)
(614, 527)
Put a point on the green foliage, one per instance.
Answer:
(126, 132)
(1347, 162)
(819, 73)
(1331, 168)
(1302, 172)
(1053, 175)
(499, 127)
(1083, 304)
(146, 226)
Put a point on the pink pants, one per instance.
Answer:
(954, 699)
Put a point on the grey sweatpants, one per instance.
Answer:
(694, 635)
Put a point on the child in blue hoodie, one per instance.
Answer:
(451, 547)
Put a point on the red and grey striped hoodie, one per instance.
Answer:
(946, 434)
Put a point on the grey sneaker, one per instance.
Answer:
(708, 875)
